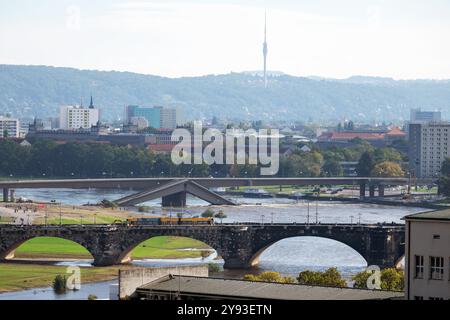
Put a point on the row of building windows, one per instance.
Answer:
(436, 270)
(429, 298)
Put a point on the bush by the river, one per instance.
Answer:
(59, 284)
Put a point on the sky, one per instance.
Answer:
(402, 39)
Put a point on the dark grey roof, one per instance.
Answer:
(430, 215)
(260, 290)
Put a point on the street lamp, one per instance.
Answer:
(262, 219)
(272, 213)
(317, 211)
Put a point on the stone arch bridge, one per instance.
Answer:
(239, 245)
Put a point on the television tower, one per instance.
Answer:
(265, 51)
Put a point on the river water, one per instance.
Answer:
(289, 256)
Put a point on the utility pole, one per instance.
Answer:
(307, 215)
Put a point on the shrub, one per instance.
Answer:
(269, 276)
(214, 267)
(391, 279)
(331, 277)
(59, 284)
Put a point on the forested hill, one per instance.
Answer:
(38, 90)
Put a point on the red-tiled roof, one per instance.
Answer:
(396, 132)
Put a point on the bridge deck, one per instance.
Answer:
(147, 183)
(218, 225)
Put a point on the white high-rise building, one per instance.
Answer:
(10, 126)
(429, 146)
(168, 118)
(75, 117)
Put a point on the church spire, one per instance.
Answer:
(91, 105)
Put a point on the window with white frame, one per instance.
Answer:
(418, 267)
(436, 268)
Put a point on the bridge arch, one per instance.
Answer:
(133, 242)
(46, 247)
(326, 240)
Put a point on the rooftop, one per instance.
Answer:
(430, 215)
(396, 132)
(241, 289)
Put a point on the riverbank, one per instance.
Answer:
(23, 276)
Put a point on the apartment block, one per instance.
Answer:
(428, 147)
(10, 126)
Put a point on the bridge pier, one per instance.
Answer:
(237, 263)
(362, 190)
(104, 260)
(381, 190)
(174, 200)
(372, 191)
(5, 195)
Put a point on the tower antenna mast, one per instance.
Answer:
(265, 50)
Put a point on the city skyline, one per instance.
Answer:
(402, 40)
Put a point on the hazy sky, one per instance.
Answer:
(331, 38)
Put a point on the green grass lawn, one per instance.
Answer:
(158, 248)
(47, 247)
(5, 220)
(168, 248)
(16, 276)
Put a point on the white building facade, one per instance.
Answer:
(10, 126)
(429, 145)
(168, 118)
(427, 257)
(76, 117)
